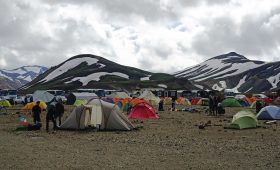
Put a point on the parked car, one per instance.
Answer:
(19, 100)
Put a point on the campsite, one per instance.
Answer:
(173, 141)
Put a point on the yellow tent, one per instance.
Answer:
(29, 106)
(5, 103)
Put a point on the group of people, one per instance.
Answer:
(54, 111)
(215, 107)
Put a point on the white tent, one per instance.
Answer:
(97, 113)
(42, 95)
(149, 97)
(118, 95)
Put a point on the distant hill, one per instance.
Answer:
(90, 71)
(235, 71)
(20, 76)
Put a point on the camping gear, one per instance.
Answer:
(253, 105)
(99, 114)
(72, 97)
(29, 106)
(269, 113)
(34, 126)
(121, 95)
(142, 111)
(23, 121)
(243, 120)
(194, 101)
(5, 103)
(149, 97)
(230, 102)
(42, 95)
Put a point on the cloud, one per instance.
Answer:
(160, 36)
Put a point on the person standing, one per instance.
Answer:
(50, 116)
(215, 105)
(258, 106)
(211, 103)
(173, 104)
(59, 110)
(36, 110)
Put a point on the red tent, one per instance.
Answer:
(142, 111)
(194, 101)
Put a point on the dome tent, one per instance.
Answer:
(97, 113)
(230, 102)
(243, 120)
(269, 113)
(149, 97)
(142, 111)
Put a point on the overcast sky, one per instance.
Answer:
(158, 36)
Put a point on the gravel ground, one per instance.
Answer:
(172, 142)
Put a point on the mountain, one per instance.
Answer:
(6, 83)
(234, 71)
(21, 75)
(90, 71)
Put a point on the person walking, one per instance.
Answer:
(59, 110)
(36, 110)
(258, 106)
(215, 105)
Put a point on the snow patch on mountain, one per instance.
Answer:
(162, 85)
(221, 86)
(96, 77)
(145, 78)
(274, 80)
(198, 86)
(242, 81)
(68, 65)
(222, 69)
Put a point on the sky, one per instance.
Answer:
(154, 35)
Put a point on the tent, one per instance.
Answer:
(149, 97)
(5, 103)
(250, 100)
(72, 97)
(122, 95)
(253, 105)
(194, 101)
(230, 102)
(183, 101)
(97, 113)
(79, 102)
(204, 102)
(167, 101)
(29, 106)
(243, 120)
(142, 111)
(42, 95)
(243, 102)
(269, 113)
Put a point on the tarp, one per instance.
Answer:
(244, 120)
(142, 111)
(42, 95)
(230, 102)
(269, 113)
(97, 112)
(29, 106)
(149, 97)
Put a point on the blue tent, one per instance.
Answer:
(269, 113)
(243, 103)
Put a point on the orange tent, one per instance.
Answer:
(29, 106)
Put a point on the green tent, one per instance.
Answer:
(125, 107)
(243, 120)
(231, 102)
(5, 103)
(79, 102)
